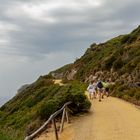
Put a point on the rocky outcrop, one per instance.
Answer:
(70, 74)
(57, 75)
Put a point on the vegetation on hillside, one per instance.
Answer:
(117, 60)
(126, 92)
(60, 73)
(29, 109)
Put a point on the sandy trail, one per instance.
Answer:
(58, 81)
(111, 119)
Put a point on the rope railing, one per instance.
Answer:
(64, 109)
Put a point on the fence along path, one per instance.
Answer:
(52, 119)
(111, 119)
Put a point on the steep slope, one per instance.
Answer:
(26, 112)
(117, 60)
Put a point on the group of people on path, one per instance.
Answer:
(99, 89)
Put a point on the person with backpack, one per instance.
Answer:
(92, 90)
(100, 90)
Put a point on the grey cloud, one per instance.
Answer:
(38, 38)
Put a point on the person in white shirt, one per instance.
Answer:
(92, 90)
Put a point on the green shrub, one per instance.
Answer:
(109, 62)
(118, 64)
(137, 96)
(119, 94)
(48, 108)
(131, 93)
(33, 126)
(1, 114)
(9, 135)
(130, 38)
(80, 102)
(122, 87)
(125, 39)
(73, 92)
(5, 137)
(126, 97)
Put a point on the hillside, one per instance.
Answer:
(117, 60)
(33, 105)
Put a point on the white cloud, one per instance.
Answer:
(5, 38)
(43, 10)
(5, 26)
(95, 3)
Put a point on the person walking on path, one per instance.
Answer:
(95, 89)
(91, 90)
(100, 90)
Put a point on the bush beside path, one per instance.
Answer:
(111, 119)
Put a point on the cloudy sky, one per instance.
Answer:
(37, 36)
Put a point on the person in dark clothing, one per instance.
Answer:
(100, 90)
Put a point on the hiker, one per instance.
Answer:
(100, 90)
(95, 88)
(106, 88)
(91, 90)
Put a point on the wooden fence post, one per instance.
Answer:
(55, 128)
(62, 120)
(52, 118)
(67, 115)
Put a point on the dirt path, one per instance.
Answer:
(111, 119)
(58, 81)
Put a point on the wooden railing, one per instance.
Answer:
(52, 119)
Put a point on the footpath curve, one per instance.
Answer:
(111, 119)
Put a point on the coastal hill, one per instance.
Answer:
(116, 61)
